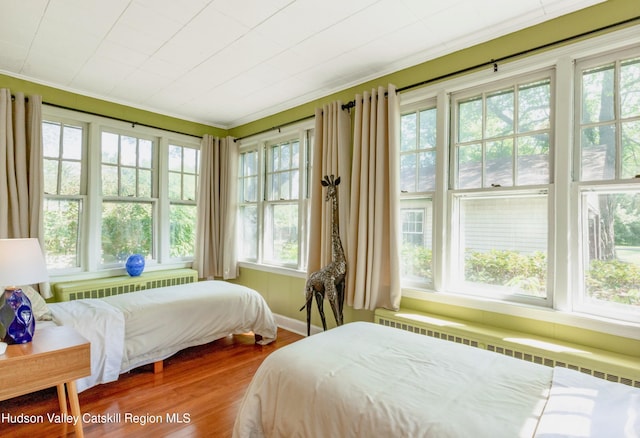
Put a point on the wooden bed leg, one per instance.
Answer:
(257, 337)
(157, 367)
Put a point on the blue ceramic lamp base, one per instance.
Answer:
(17, 323)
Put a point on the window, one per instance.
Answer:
(417, 184)
(112, 190)
(608, 144)
(129, 197)
(64, 188)
(535, 202)
(184, 165)
(272, 188)
(500, 168)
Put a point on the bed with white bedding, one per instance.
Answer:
(366, 380)
(130, 330)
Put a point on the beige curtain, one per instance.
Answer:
(373, 275)
(21, 169)
(216, 229)
(331, 156)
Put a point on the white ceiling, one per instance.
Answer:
(229, 62)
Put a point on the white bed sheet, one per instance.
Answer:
(103, 326)
(367, 380)
(138, 328)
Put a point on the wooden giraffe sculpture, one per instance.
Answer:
(329, 280)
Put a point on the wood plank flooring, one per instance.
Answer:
(197, 395)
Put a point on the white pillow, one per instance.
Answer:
(38, 304)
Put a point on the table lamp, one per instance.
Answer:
(21, 263)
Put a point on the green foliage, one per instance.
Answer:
(508, 268)
(416, 261)
(614, 281)
(126, 229)
(183, 230)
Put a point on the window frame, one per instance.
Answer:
(90, 240)
(562, 190)
(81, 196)
(497, 191)
(617, 184)
(303, 133)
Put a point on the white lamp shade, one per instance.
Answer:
(21, 262)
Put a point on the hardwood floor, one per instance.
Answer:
(197, 395)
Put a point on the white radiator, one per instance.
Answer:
(599, 363)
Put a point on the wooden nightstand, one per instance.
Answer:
(56, 356)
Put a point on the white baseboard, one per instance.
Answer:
(295, 326)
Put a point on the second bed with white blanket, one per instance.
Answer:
(130, 330)
(367, 380)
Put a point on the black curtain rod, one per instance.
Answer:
(133, 124)
(494, 62)
(302, 119)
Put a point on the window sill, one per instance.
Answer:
(291, 272)
(573, 319)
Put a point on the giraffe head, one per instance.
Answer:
(331, 184)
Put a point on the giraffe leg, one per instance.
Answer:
(309, 302)
(340, 289)
(333, 300)
(320, 303)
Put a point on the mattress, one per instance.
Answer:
(363, 379)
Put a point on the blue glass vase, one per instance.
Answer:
(135, 265)
(16, 317)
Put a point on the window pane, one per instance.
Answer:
(70, 178)
(127, 182)
(611, 247)
(145, 151)
(250, 189)
(190, 160)
(248, 232)
(109, 180)
(630, 149)
(62, 232)
(72, 147)
(51, 139)
(127, 228)
(534, 106)
(416, 219)
(281, 234)
(427, 171)
(470, 166)
(428, 128)
(597, 94)
(503, 243)
(598, 153)
(183, 230)
(408, 129)
(175, 158)
(144, 183)
(470, 120)
(630, 88)
(129, 151)
(50, 168)
(408, 172)
(189, 188)
(499, 167)
(175, 186)
(109, 148)
(499, 114)
(533, 159)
